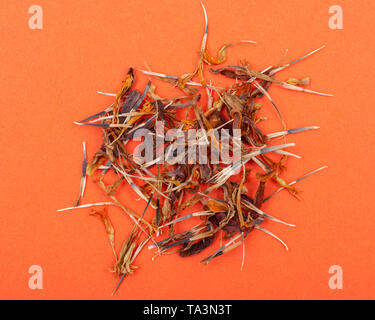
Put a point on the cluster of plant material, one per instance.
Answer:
(227, 209)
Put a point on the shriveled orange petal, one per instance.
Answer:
(99, 159)
(217, 206)
(147, 107)
(103, 215)
(185, 78)
(221, 56)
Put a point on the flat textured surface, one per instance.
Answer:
(49, 79)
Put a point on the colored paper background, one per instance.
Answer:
(49, 79)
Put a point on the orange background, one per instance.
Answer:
(48, 80)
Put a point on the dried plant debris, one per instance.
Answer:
(192, 154)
